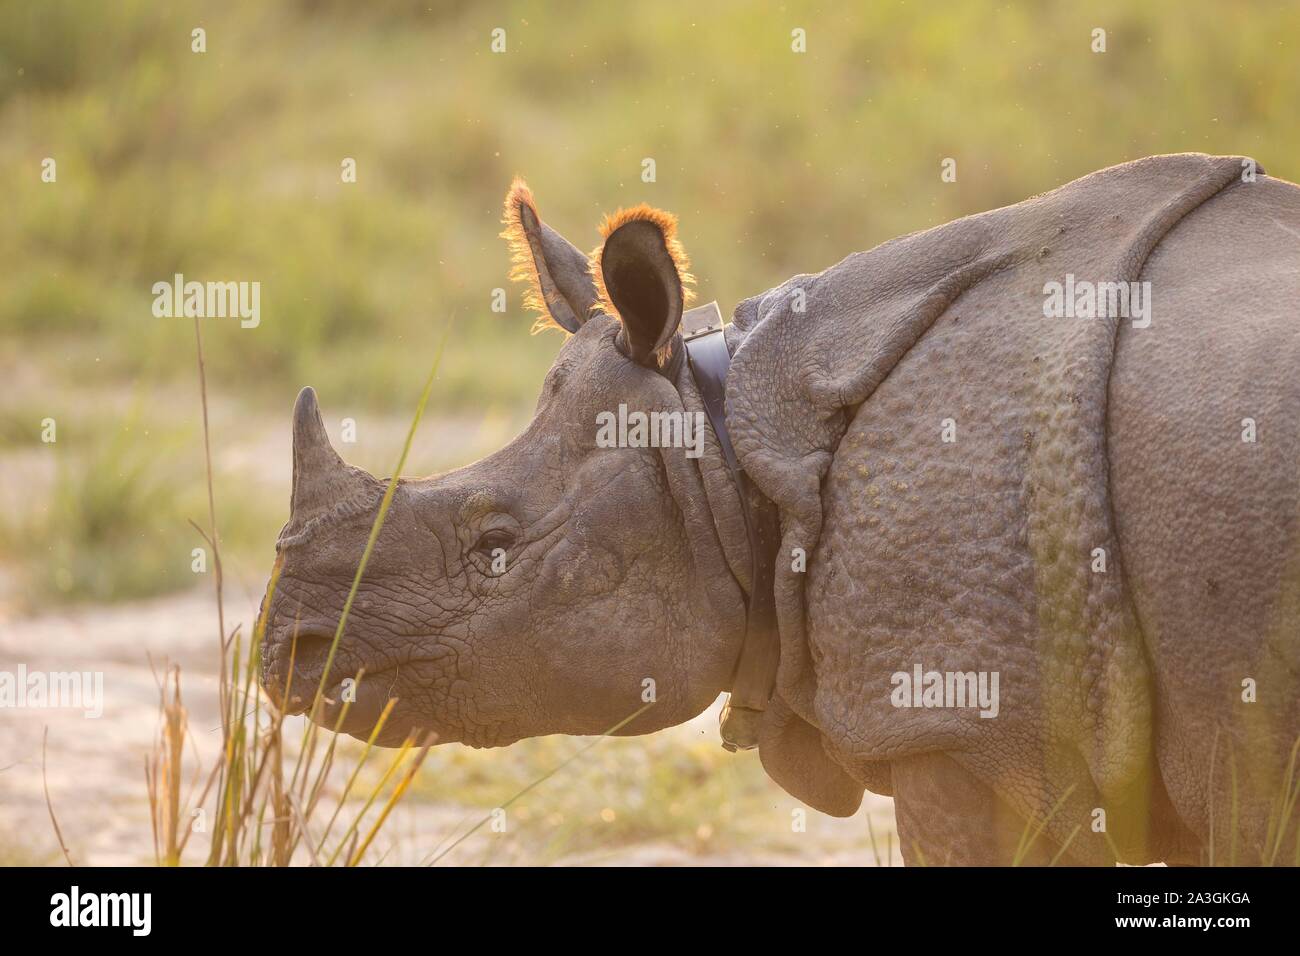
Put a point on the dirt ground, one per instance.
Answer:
(95, 767)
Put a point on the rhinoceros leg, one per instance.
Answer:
(1209, 521)
(946, 816)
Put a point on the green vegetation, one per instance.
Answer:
(226, 165)
(109, 515)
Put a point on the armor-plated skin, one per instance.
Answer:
(952, 462)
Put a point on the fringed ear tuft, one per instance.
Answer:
(555, 273)
(667, 225)
(523, 263)
(641, 274)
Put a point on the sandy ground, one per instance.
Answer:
(95, 767)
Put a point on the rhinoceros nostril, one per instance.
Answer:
(307, 646)
(310, 648)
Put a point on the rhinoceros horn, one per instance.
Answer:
(323, 483)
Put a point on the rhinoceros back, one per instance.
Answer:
(938, 445)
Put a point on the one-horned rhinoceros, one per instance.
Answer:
(1037, 573)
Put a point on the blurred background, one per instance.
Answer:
(225, 165)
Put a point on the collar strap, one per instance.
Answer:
(754, 676)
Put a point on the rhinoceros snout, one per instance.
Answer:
(293, 663)
(296, 662)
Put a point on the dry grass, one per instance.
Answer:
(266, 800)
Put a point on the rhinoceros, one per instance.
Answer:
(1032, 559)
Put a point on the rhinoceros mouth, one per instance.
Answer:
(346, 705)
(298, 660)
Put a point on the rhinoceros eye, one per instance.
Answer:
(492, 540)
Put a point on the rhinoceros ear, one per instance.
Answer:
(558, 275)
(641, 273)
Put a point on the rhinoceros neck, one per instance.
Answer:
(721, 495)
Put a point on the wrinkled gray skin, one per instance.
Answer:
(624, 565)
(614, 565)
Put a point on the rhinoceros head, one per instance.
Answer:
(556, 585)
